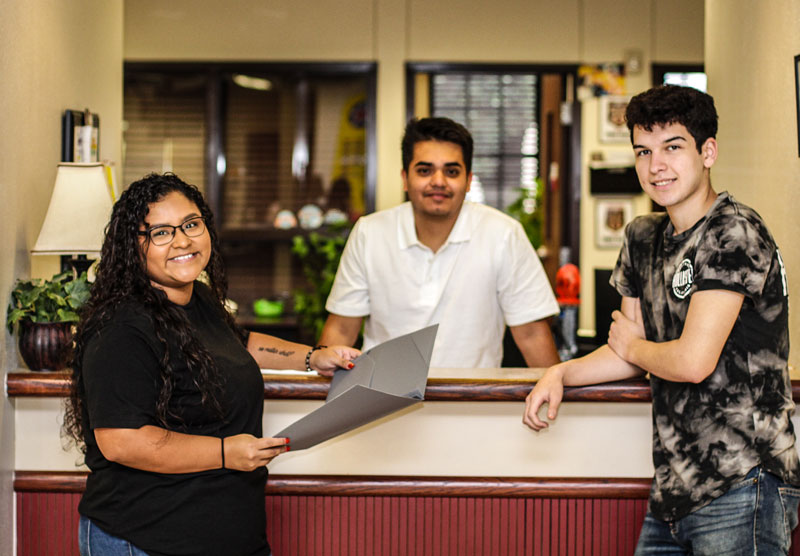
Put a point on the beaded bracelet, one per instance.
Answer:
(308, 357)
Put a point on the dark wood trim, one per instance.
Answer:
(271, 235)
(572, 183)
(298, 387)
(487, 67)
(411, 87)
(214, 144)
(50, 481)
(515, 391)
(321, 69)
(477, 487)
(37, 384)
(371, 193)
(353, 485)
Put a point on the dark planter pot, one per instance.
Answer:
(45, 346)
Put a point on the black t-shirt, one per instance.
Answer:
(707, 436)
(208, 513)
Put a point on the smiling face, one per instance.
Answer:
(175, 266)
(437, 180)
(672, 171)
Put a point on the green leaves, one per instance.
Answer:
(77, 291)
(54, 300)
(319, 258)
(300, 246)
(528, 210)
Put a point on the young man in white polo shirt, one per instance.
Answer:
(438, 259)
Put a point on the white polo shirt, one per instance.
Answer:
(485, 276)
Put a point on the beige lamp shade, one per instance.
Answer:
(80, 207)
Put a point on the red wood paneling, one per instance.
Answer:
(426, 526)
(324, 525)
(47, 524)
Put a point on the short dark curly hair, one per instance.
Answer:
(436, 129)
(673, 104)
(122, 278)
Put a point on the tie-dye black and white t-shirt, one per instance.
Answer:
(707, 436)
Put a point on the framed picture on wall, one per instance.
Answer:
(611, 217)
(612, 119)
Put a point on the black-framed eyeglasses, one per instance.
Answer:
(165, 233)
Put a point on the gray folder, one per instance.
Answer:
(385, 379)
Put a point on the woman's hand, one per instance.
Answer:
(245, 452)
(328, 359)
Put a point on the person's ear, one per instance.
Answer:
(404, 175)
(709, 152)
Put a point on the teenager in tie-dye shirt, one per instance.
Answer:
(705, 312)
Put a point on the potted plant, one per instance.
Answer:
(319, 258)
(44, 312)
(527, 208)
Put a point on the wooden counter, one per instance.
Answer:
(605, 435)
(505, 384)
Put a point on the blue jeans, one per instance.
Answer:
(756, 516)
(93, 541)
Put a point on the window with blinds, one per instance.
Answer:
(500, 110)
(288, 135)
(295, 143)
(164, 125)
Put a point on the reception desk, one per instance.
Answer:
(470, 424)
(458, 471)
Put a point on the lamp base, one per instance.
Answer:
(75, 263)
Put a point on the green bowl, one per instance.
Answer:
(266, 308)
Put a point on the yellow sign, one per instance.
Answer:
(349, 165)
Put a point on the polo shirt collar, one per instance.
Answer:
(407, 234)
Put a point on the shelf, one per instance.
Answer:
(274, 234)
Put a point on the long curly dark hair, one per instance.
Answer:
(122, 278)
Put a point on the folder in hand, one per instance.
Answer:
(385, 379)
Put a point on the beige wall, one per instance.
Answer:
(419, 30)
(53, 55)
(750, 50)
(504, 31)
(309, 30)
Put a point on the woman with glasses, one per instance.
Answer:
(167, 396)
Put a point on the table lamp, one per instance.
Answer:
(79, 209)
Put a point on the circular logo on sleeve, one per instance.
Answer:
(682, 279)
